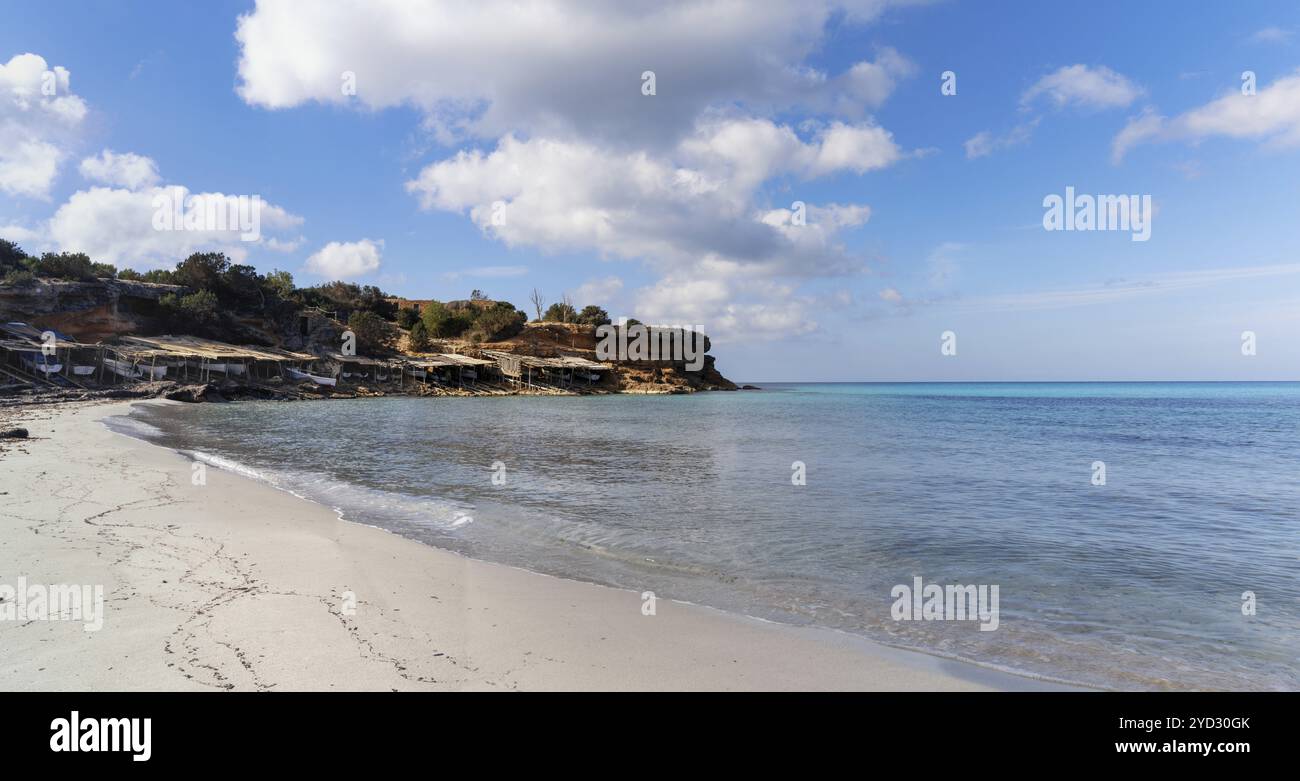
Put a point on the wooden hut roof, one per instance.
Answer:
(357, 359)
(196, 347)
(465, 360)
(25, 338)
(535, 362)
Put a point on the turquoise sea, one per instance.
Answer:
(1135, 584)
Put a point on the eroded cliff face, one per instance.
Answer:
(86, 311)
(548, 340)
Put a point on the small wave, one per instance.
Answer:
(227, 464)
(132, 427)
(350, 501)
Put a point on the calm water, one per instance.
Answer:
(1134, 584)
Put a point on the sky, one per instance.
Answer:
(834, 191)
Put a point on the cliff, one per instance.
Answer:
(87, 311)
(549, 340)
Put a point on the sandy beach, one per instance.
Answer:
(236, 585)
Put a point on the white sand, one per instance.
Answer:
(237, 585)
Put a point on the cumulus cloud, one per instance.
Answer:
(127, 170)
(121, 226)
(604, 292)
(1083, 87)
(38, 117)
(554, 68)
(869, 84)
(691, 213)
(579, 158)
(346, 260)
(1271, 116)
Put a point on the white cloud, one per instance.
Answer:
(117, 226)
(891, 295)
(346, 260)
(603, 292)
(579, 159)
(1084, 87)
(556, 68)
(871, 83)
(1272, 116)
(1272, 35)
(690, 213)
(564, 196)
(127, 170)
(38, 117)
(20, 234)
(985, 143)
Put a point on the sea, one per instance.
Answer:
(1140, 535)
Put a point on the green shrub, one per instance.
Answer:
(65, 265)
(493, 325)
(593, 315)
(443, 322)
(419, 340)
(18, 277)
(560, 312)
(374, 333)
(407, 317)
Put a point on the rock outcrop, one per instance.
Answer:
(87, 311)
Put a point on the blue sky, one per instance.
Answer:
(925, 210)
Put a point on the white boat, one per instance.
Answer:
(209, 366)
(83, 371)
(122, 368)
(154, 372)
(302, 376)
(45, 364)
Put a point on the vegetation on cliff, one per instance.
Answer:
(207, 295)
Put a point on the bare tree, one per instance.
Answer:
(538, 302)
(569, 311)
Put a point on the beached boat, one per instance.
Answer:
(209, 366)
(42, 363)
(123, 368)
(302, 376)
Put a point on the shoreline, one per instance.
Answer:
(237, 584)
